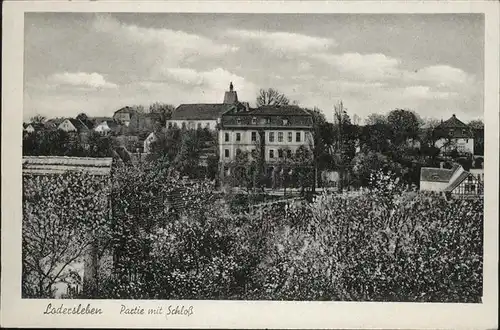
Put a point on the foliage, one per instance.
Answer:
(63, 217)
(38, 119)
(177, 239)
(364, 165)
(385, 245)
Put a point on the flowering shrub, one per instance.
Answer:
(386, 245)
(64, 217)
(177, 239)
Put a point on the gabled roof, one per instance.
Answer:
(200, 111)
(44, 165)
(433, 174)
(457, 181)
(54, 122)
(79, 125)
(126, 109)
(453, 122)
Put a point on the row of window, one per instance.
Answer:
(264, 120)
(184, 125)
(271, 137)
(254, 153)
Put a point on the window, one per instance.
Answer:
(297, 137)
(268, 120)
(285, 122)
(280, 153)
(254, 153)
(207, 125)
(254, 136)
(169, 125)
(183, 125)
(226, 153)
(199, 125)
(238, 136)
(280, 136)
(289, 153)
(254, 120)
(271, 153)
(238, 120)
(226, 137)
(238, 152)
(271, 136)
(175, 125)
(290, 136)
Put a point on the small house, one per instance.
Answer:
(455, 181)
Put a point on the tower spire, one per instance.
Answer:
(231, 86)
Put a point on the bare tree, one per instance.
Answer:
(271, 96)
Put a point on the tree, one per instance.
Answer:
(375, 118)
(271, 96)
(165, 110)
(366, 164)
(64, 221)
(476, 124)
(405, 125)
(38, 119)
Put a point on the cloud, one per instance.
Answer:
(377, 66)
(425, 92)
(213, 82)
(369, 66)
(81, 79)
(166, 45)
(442, 75)
(285, 41)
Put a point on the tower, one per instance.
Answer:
(230, 97)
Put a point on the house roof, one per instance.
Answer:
(433, 174)
(79, 125)
(453, 122)
(279, 110)
(126, 109)
(457, 181)
(98, 120)
(54, 122)
(43, 165)
(200, 111)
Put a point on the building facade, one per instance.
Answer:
(269, 135)
(203, 115)
(453, 134)
(455, 181)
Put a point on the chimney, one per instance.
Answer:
(231, 97)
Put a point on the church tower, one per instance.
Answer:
(230, 97)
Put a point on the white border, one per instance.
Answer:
(224, 314)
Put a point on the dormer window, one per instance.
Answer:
(238, 120)
(268, 120)
(254, 120)
(285, 122)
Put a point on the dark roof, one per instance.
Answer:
(457, 181)
(453, 122)
(59, 164)
(201, 111)
(436, 174)
(79, 125)
(54, 123)
(98, 120)
(279, 110)
(126, 109)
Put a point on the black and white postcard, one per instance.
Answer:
(250, 164)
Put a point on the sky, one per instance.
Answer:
(99, 62)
